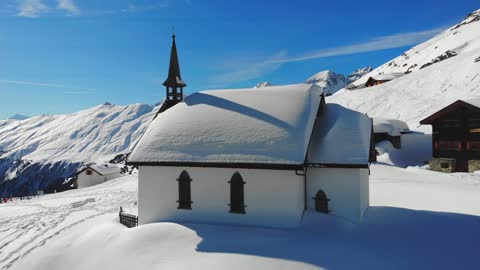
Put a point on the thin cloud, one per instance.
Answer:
(76, 92)
(32, 8)
(251, 71)
(44, 85)
(376, 44)
(132, 8)
(69, 6)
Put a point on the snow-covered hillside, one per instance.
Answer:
(424, 90)
(418, 219)
(456, 40)
(41, 150)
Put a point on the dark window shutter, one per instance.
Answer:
(321, 202)
(184, 191)
(237, 202)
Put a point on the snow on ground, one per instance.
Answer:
(417, 219)
(27, 225)
(416, 150)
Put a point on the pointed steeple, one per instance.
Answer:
(174, 78)
(173, 84)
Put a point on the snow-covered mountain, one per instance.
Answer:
(331, 82)
(262, 84)
(39, 152)
(357, 74)
(439, 71)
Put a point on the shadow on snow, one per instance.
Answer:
(387, 238)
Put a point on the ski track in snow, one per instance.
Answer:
(24, 233)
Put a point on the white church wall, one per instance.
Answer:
(85, 180)
(273, 198)
(347, 189)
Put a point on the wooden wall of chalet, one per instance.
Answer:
(456, 134)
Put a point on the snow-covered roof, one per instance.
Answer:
(269, 125)
(341, 137)
(105, 169)
(388, 76)
(392, 127)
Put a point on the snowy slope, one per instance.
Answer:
(456, 40)
(42, 149)
(423, 91)
(417, 220)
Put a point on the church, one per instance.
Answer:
(252, 156)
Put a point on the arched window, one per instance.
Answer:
(321, 202)
(184, 192)
(236, 194)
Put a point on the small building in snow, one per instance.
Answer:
(382, 78)
(252, 156)
(389, 130)
(456, 137)
(97, 174)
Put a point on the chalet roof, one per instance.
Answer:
(269, 125)
(341, 136)
(174, 78)
(473, 103)
(104, 169)
(387, 76)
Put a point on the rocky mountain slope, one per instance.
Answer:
(331, 82)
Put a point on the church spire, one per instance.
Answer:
(174, 78)
(174, 84)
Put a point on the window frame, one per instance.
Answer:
(237, 194)
(184, 185)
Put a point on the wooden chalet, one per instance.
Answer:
(382, 78)
(456, 137)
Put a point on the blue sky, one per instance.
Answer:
(61, 56)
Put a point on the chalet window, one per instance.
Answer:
(236, 194)
(89, 172)
(321, 202)
(444, 165)
(473, 145)
(184, 191)
(450, 145)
